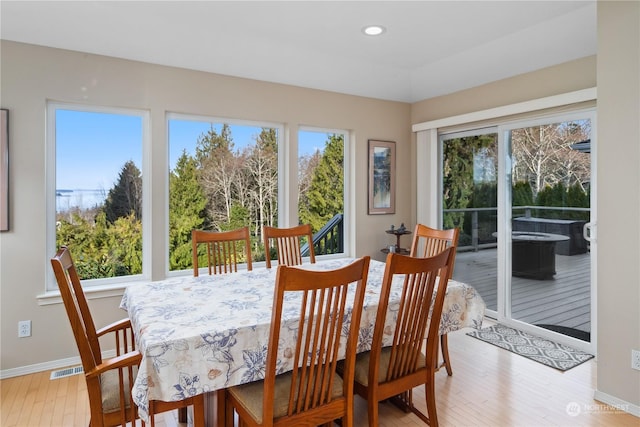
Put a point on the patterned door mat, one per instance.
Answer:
(541, 350)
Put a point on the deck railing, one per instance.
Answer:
(329, 239)
(475, 243)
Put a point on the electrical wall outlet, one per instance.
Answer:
(635, 359)
(24, 328)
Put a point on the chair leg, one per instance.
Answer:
(229, 414)
(152, 416)
(198, 411)
(217, 408)
(444, 345)
(182, 415)
(430, 392)
(372, 411)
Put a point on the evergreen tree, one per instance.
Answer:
(326, 193)
(552, 196)
(458, 175)
(212, 144)
(125, 259)
(268, 139)
(306, 170)
(522, 194)
(239, 217)
(577, 197)
(187, 210)
(98, 247)
(125, 197)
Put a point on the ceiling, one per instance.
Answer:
(430, 48)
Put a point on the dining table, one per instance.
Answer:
(207, 333)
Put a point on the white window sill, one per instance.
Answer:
(110, 290)
(92, 292)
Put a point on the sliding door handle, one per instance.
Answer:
(589, 232)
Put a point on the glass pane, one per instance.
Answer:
(99, 191)
(469, 200)
(551, 266)
(321, 188)
(222, 177)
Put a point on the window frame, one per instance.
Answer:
(563, 107)
(105, 285)
(287, 191)
(282, 169)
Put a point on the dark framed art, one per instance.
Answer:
(382, 177)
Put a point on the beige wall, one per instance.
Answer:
(563, 78)
(32, 75)
(617, 68)
(618, 171)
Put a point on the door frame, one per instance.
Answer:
(504, 314)
(428, 190)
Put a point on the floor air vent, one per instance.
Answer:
(67, 372)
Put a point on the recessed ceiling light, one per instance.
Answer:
(373, 30)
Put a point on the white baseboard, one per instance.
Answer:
(39, 367)
(617, 403)
(47, 366)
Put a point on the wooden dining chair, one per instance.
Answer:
(224, 250)
(428, 242)
(109, 381)
(288, 243)
(392, 372)
(315, 304)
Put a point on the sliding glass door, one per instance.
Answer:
(469, 202)
(521, 194)
(549, 209)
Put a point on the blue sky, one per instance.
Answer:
(91, 148)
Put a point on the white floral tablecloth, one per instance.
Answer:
(199, 334)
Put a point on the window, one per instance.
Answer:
(222, 175)
(97, 179)
(321, 187)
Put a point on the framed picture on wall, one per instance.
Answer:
(4, 170)
(382, 177)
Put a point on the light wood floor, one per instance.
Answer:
(489, 387)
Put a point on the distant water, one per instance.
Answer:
(83, 199)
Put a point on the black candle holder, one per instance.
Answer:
(398, 232)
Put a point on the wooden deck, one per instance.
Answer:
(562, 301)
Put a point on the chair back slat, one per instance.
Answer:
(224, 250)
(288, 244)
(421, 299)
(321, 299)
(428, 242)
